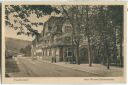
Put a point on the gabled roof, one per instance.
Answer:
(54, 21)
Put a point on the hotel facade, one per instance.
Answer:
(55, 43)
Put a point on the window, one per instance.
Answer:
(67, 39)
(67, 28)
(68, 52)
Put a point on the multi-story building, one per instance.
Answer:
(55, 42)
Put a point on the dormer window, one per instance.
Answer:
(67, 29)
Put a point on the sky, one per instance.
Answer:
(11, 33)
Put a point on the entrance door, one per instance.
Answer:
(67, 54)
(83, 55)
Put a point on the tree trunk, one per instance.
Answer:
(78, 55)
(107, 54)
(115, 48)
(103, 57)
(89, 53)
(87, 32)
(72, 59)
(108, 63)
(105, 41)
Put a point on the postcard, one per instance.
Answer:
(70, 42)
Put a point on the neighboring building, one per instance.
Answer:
(55, 42)
(10, 54)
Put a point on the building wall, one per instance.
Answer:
(59, 54)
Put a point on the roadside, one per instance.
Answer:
(27, 67)
(97, 69)
(18, 68)
(35, 68)
(11, 67)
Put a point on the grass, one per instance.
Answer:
(11, 66)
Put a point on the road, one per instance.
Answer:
(35, 68)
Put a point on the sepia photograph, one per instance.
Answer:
(64, 41)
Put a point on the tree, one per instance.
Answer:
(26, 50)
(110, 16)
(117, 19)
(21, 14)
